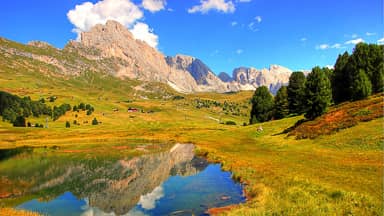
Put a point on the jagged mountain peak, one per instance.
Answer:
(114, 50)
(225, 77)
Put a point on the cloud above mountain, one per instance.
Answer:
(87, 15)
(141, 31)
(207, 5)
(154, 5)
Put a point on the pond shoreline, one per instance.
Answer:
(178, 151)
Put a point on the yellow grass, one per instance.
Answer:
(13, 212)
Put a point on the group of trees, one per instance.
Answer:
(358, 75)
(232, 108)
(354, 77)
(84, 107)
(59, 111)
(16, 109)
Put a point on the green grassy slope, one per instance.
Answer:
(339, 173)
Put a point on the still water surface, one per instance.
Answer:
(169, 183)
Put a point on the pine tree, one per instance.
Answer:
(296, 93)
(361, 86)
(262, 105)
(319, 93)
(281, 103)
(340, 79)
(94, 121)
(19, 122)
(378, 79)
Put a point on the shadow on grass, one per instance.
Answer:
(287, 130)
(8, 153)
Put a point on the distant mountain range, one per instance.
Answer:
(116, 52)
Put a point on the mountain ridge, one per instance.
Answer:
(118, 53)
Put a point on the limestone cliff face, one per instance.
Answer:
(134, 58)
(225, 77)
(251, 78)
(112, 49)
(137, 60)
(203, 75)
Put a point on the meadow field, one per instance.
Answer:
(339, 171)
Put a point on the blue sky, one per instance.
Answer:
(225, 34)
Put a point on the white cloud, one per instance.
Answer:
(148, 201)
(381, 41)
(141, 31)
(234, 23)
(135, 212)
(322, 46)
(243, 1)
(328, 46)
(303, 39)
(354, 36)
(86, 15)
(154, 5)
(336, 46)
(218, 5)
(355, 41)
(239, 51)
(258, 19)
(370, 33)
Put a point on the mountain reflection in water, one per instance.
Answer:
(173, 182)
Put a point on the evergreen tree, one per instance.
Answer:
(340, 79)
(378, 79)
(361, 87)
(19, 122)
(319, 94)
(281, 103)
(296, 93)
(82, 106)
(95, 122)
(67, 124)
(262, 105)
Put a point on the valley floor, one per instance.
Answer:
(339, 174)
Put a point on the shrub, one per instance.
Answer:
(67, 124)
(52, 99)
(95, 122)
(230, 123)
(19, 121)
(178, 97)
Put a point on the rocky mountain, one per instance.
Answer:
(225, 77)
(251, 78)
(112, 49)
(137, 60)
(204, 77)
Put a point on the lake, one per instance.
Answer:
(171, 182)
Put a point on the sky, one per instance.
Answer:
(224, 34)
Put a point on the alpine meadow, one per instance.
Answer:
(102, 115)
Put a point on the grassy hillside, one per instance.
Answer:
(336, 173)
